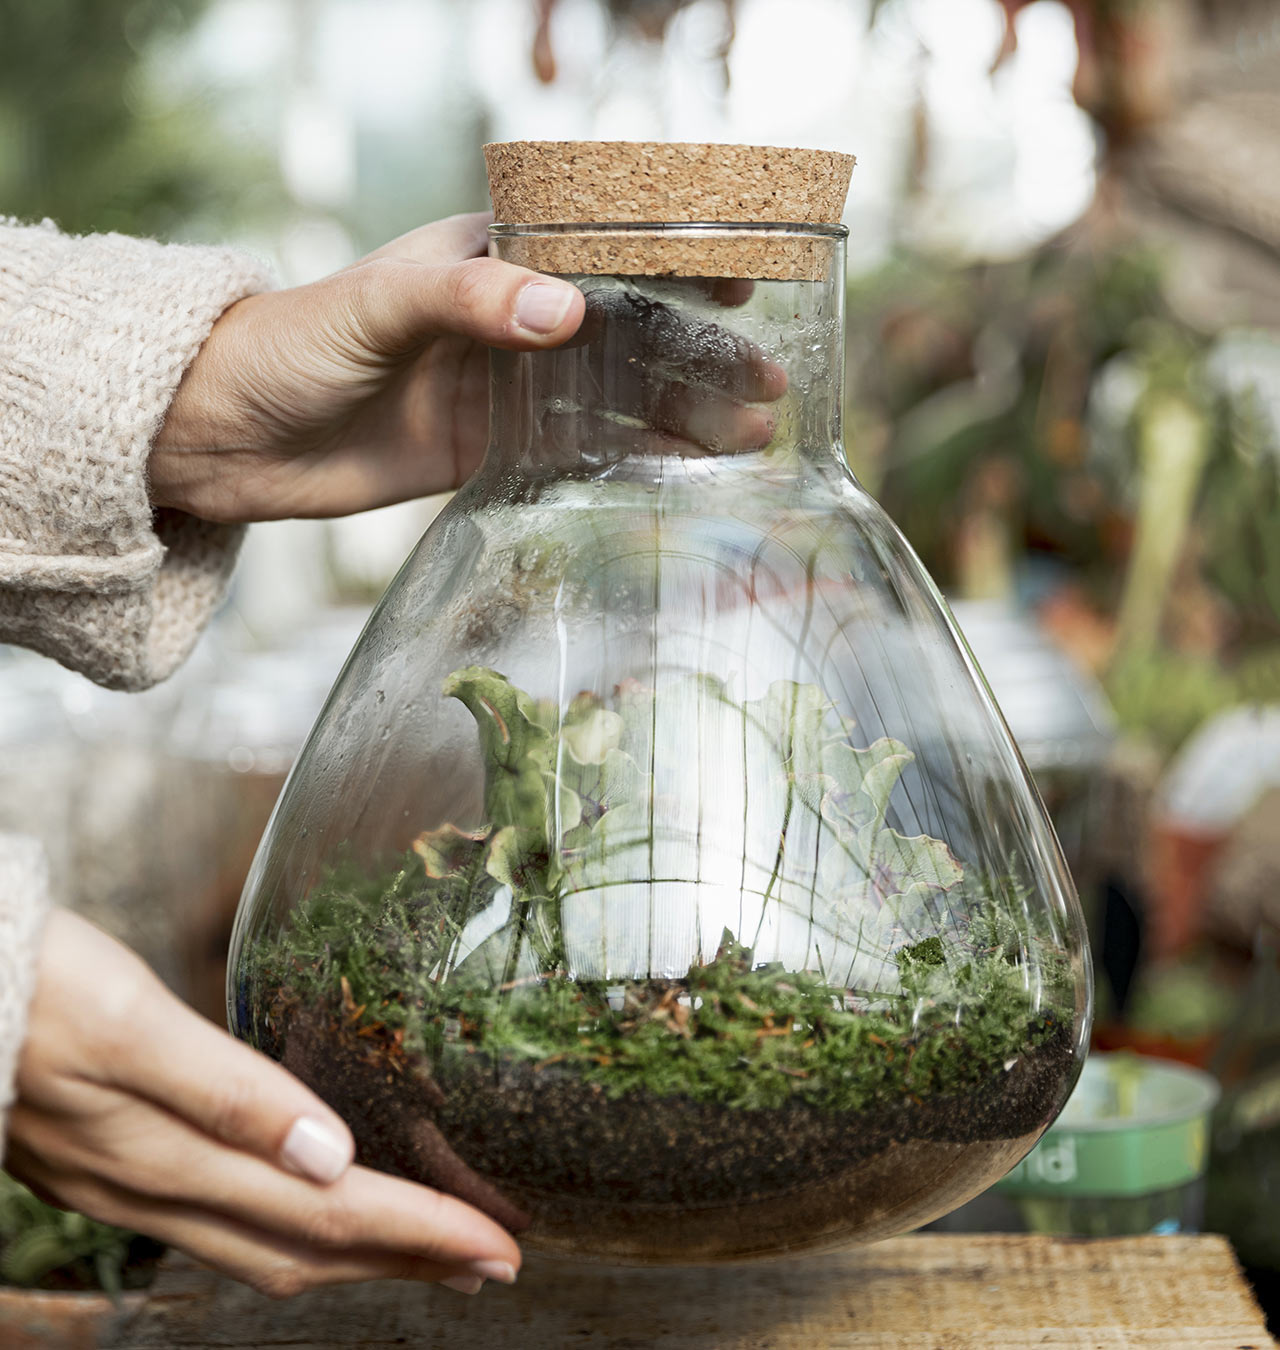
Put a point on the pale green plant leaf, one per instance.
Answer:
(449, 850)
(515, 746)
(590, 733)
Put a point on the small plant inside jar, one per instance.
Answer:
(507, 1013)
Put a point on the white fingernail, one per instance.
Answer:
(501, 1271)
(464, 1284)
(313, 1148)
(542, 305)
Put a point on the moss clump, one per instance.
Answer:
(731, 1031)
(930, 952)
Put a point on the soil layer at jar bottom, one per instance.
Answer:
(649, 1179)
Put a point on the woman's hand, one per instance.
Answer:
(368, 387)
(371, 386)
(138, 1112)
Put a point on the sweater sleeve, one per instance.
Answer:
(24, 904)
(95, 334)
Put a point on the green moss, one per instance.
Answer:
(930, 952)
(731, 1031)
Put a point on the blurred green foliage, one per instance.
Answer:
(1166, 695)
(44, 1247)
(1241, 521)
(1025, 391)
(1183, 1000)
(88, 139)
(967, 367)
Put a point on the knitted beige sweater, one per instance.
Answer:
(95, 334)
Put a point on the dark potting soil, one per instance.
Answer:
(552, 1156)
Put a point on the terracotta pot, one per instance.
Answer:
(1179, 865)
(1196, 1051)
(40, 1319)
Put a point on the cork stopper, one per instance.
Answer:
(664, 185)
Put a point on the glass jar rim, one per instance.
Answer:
(503, 230)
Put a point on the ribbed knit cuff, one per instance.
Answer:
(95, 334)
(24, 905)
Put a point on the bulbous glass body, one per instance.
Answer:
(660, 876)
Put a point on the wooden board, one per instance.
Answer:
(928, 1292)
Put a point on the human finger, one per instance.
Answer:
(695, 413)
(728, 292)
(277, 1266)
(363, 1209)
(718, 424)
(183, 1063)
(655, 338)
(443, 241)
(678, 420)
(224, 1089)
(395, 306)
(139, 1147)
(466, 235)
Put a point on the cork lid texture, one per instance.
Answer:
(570, 184)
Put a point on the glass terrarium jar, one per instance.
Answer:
(235, 734)
(660, 877)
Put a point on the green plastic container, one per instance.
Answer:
(1127, 1155)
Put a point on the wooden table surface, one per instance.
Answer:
(928, 1292)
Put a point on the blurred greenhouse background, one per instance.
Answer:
(1063, 383)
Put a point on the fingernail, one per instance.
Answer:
(464, 1284)
(313, 1148)
(495, 1270)
(542, 305)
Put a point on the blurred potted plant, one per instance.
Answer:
(65, 1280)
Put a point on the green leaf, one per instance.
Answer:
(861, 872)
(518, 858)
(565, 807)
(32, 1255)
(634, 702)
(795, 718)
(608, 850)
(613, 782)
(109, 1268)
(516, 746)
(911, 867)
(590, 796)
(590, 731)
(449, 850)
(854, 803)
(857, 785)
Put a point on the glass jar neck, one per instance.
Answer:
(680, 366)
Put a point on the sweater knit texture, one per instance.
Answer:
(95, 335)
(24, 886)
